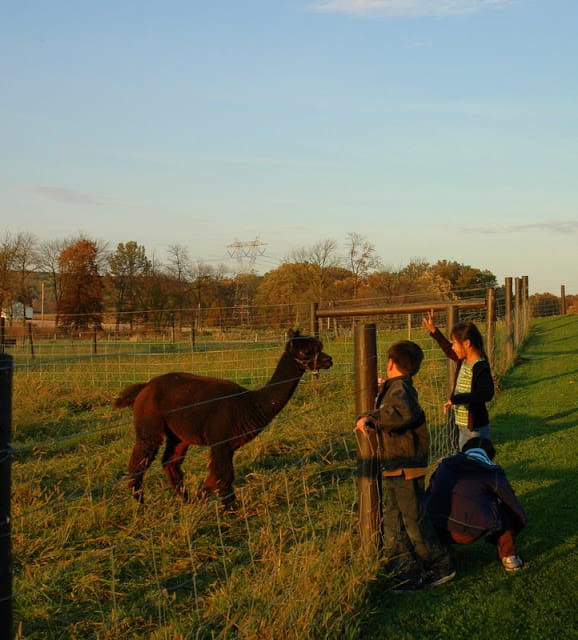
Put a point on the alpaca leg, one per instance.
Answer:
(173, 457)
(221, 475)
(143, 453)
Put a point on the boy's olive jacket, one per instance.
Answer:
(401, 422)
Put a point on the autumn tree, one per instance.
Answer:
(466, 281)
(81, 301)
(544, 304)
(286, 292)
(320, 258)
(128, 268)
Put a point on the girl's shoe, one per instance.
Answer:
(512, 563)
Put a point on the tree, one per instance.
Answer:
(180, 271)
(286, 291)
(17, 258)
(544, 304)
(81, 300)
(322, 258)
(360, 259)
(47, 256)
(128, 267)
(466, 281)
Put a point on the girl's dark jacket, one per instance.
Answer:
(467, 496)
(401, 421)
(482, 385)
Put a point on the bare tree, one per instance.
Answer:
(17, 259)
(361, 259)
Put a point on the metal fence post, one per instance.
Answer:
(6, 368)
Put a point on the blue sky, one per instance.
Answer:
(437, 129)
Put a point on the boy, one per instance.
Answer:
(409, 537)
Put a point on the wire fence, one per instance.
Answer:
(89, 560)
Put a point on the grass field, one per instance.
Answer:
(91, 563)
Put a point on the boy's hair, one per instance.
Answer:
(407, 355)
(480, 443)
(469, 331)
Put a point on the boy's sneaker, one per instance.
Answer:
(439, 575)
(408, 585)
(512, 563)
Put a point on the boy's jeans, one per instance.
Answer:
(407, 529)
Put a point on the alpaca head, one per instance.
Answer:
(308, 352)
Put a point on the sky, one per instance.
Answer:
(435, 129)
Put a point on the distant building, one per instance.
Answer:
(18, 311)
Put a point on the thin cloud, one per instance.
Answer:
(62, 194)
(554, 226)
(407, 8)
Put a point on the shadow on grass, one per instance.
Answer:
(516, 427)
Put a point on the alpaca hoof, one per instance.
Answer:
(229, 502)
(138, 496)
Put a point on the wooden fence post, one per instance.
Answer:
(94, 340)
(369, 490)
(509, 322)
(562, 300)
(30, 340)
(453, 317)
(314, 319)
(6, 368)
(491, 325)
(518, 307)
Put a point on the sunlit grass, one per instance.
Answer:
(92, 563)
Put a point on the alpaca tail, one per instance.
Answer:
(128, 395)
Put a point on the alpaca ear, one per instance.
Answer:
(293, 333)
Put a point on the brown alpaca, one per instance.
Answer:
(188, 409)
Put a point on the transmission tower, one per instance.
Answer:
(246, 254)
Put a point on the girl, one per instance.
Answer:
(473, 384)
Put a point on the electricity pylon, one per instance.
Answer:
(246, 255)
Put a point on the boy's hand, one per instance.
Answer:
(447, 406)
(364, 423)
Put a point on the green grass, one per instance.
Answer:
(91, 563)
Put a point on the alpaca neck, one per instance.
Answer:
(278, 391)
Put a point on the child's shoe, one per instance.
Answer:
(512, 563)
(442, 572)
(407, 585)
(435, 577)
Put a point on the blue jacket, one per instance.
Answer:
(467, 496)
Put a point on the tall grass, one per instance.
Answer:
(92, 563)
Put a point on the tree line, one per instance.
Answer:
(82, 281)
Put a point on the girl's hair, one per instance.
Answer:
(468, 331)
